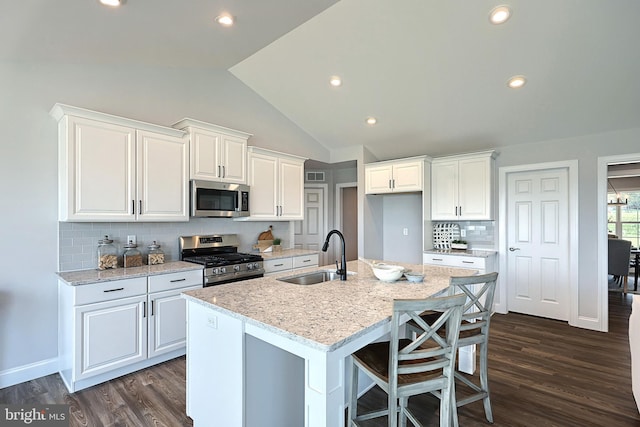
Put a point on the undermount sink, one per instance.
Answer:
(312, 278)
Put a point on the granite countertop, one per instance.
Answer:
(478, 253)
(326, 315)
(86, 277)
(287, 253)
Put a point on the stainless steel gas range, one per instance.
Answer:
(220, 257)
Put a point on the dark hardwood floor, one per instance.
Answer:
(542, 373)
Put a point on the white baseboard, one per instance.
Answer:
(29, 372)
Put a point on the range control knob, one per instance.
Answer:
(236, 268)
(223, 270)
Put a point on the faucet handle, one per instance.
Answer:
(337, 267)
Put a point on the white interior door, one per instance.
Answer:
(310, 233)
(538, 281)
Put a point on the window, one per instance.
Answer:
(624, 221)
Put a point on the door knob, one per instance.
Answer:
(514, 249)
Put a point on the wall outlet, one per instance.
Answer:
(405, 231)
(212, 322)
(132, 238)
(463, 232)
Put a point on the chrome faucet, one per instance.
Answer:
(342, 270)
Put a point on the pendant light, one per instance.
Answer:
(618, 201)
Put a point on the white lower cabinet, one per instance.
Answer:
(290, 263)
(112, 334)
(114, 328)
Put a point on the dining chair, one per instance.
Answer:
(479, 291)
(619, 258)
(407, 367)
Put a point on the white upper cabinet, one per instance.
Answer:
(116, 169)
(217, 153)
(277, 185)
(395, 176)
(462, 187)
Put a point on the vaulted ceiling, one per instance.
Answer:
(433, 72)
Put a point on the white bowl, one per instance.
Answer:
(387, 273)
(414, 277)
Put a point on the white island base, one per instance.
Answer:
(240, 375)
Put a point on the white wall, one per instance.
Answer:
(28, 173)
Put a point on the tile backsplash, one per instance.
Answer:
(479, 234)
(78, 241)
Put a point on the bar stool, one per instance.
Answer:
(404, 368)
(476, 318)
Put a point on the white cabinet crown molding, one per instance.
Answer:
(404, 159)
(60, 110)
(488, 153)
(260, 150)
(187, 122)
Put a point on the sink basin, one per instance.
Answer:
(312, 278)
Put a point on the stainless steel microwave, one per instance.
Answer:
(219, 199)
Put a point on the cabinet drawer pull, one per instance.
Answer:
(278, 265)
(114, 290)
(177, 280)
(306, 260)
(468, 262)
(437, 259)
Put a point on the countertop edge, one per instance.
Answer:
(92, 276)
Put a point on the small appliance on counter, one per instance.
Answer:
(221, 259)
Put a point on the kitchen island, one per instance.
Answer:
(264, 352)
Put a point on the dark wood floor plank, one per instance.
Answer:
(541, 372)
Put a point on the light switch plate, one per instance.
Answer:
(132, 238)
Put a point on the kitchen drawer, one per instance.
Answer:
(305, 261)
(166, 282)
(273, 265)
(455, 261)
(107, 291)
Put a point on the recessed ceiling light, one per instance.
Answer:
(335, 81)
(225, 20)
(112, 3)
(516, 82)
(371, 121)
(500, 15)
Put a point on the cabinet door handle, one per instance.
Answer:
(456, 211)
(177, 280)
(393, 183)
(460, 210)
(133, 207)
(144, 309)
(219, 173)
(140, 208)
(389, 183)
(224, 172)
(152, 307)
(114, 290)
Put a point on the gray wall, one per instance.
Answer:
(28, 175)
(586, 149)
(402, 211)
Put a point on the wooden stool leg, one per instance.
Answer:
(625, 287)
